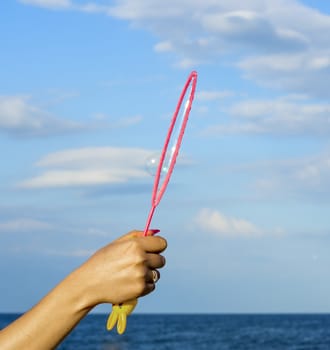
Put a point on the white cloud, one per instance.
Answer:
(308, 176)
(76, 253)
(90, 166)
(187, 63)
(273, 32)
(212, 95)
(18, 116)
(23, 225)
(270, 39)
(281, 116)
(51, 4)
(215, 222)
(164, 46)
(248, 27)
(149, 9)
(306, 72)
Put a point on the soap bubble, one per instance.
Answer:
(153, 161)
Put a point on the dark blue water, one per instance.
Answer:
(198, 332)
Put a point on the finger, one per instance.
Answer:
(153, 244)
(155, 261)
(149, 287)
(129, 235)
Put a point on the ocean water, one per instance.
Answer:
(198, 332)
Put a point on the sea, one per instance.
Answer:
(199, 332)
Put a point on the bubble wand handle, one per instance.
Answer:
(151, 213)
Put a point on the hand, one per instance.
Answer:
(122, 270)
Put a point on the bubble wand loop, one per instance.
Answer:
(158, 192)
(120, 312)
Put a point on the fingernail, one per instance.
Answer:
(154, 231)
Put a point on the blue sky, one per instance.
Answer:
(87, 90)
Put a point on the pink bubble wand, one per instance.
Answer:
(168, 157)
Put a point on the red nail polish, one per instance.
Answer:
(154, 231)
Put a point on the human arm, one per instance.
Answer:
(120, 271)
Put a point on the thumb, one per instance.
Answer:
(137, 233)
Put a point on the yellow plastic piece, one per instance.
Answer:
(119, 315)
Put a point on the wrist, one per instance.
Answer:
(78, 291)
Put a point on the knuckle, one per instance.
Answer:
(136, 251)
